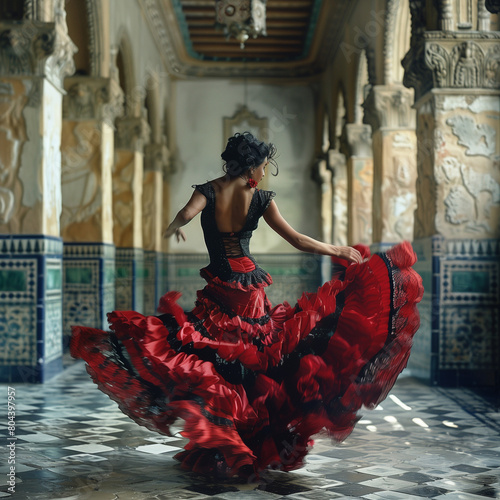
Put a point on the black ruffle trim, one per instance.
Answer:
(258, 278)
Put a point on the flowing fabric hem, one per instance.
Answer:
(335, 351)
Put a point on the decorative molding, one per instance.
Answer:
(453, 60)
(92, 98)
(161, 17)
(132, 133)
(37, 49)
(89, 250)
(483, 16)
(445, 9)
(95, 36)
(17, 245)
(243, 116)
(389, 107)
(156, 158)
(359, 140)
(391, 12)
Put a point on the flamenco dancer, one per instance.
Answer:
(254, 382)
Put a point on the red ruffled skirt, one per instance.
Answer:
(253, 382)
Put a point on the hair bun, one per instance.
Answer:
(244, 151)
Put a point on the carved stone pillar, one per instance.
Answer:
(34, 59)
(337, 164)
(155, 161)
(323, 176)
(131, 136)
(90, 107)
(388, 110)
(457, 219)
(360, 183)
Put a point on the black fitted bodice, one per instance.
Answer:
(224, 246)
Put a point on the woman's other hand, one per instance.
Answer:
(348, 253)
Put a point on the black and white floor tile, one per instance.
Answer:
(422, 442)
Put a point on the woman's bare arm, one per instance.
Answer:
(192, 208)
(304, 243)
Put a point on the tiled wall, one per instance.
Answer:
(31, 315)
(129, 291)
(292, 275)
(89, 285)
(458, 342)
(153, 262)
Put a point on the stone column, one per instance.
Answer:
(337, 164)
(168, 169)
(35, 57)
(388, 110)
(457, 89)
(324, 177)
(360, 183)
(90, 107)
(131, 135)
(155, 160)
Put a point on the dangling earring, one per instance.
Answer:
(252, 182)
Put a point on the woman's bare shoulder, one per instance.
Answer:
(220, 183)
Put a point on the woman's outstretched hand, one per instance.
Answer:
(179, 234)
(348, 253)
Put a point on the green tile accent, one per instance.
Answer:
(81, 275)
(470, 281)
(187, 271)
(122, 272)
(12, 281)
(54, 279)
(109, 274)
(285, 271)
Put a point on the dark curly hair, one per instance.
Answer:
(244, 151)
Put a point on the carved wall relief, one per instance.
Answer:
(471, 198)
(12, 137)
(337, 163)
(81, 182)
(479, 139)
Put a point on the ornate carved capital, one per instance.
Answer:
(132, 133)
(335, 160)
(453, 60)
(35, 48)
(389, 107)
(359, 139)
(92, 98)
(156, 157)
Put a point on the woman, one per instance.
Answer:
(253, 382)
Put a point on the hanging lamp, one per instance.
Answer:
(241, 19)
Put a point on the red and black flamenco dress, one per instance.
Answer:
(254, 382)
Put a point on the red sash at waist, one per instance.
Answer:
(241, 265)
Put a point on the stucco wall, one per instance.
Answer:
(198, 141)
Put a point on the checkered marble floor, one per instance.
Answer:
(422, 442)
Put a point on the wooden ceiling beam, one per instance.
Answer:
(278, 14)
(271, 4)
(252, 41)
(204, 48)
(202, 30)
(271, 24)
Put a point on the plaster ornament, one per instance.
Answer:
(459, 206)
(478, 139)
